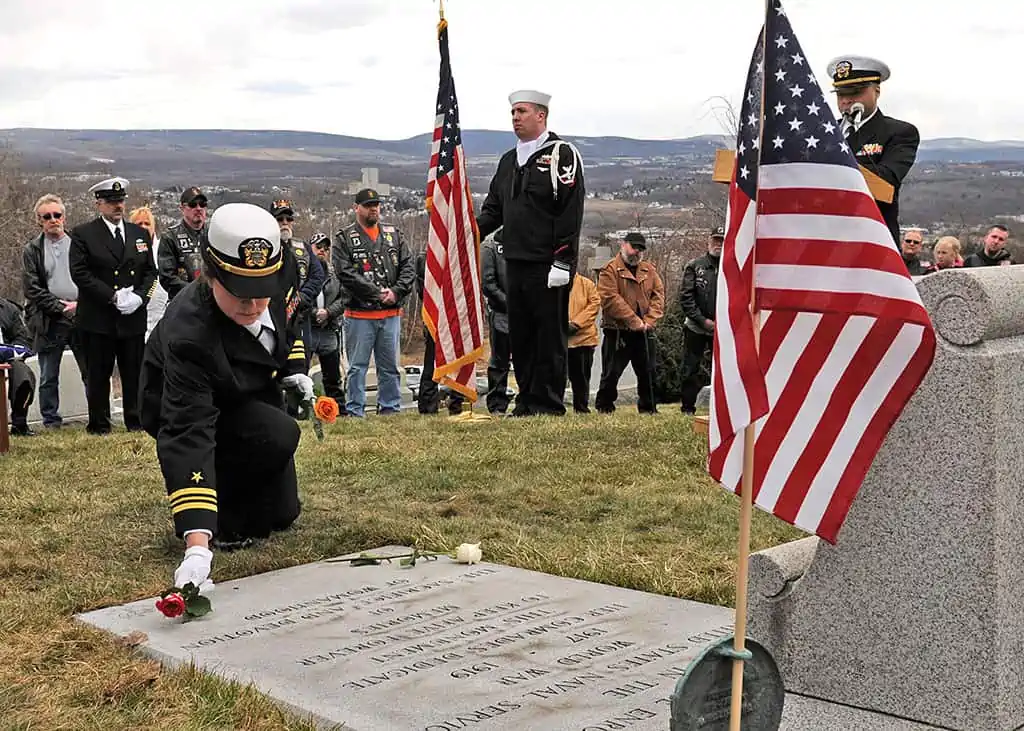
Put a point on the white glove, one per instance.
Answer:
(557, 277)
(301, 383)
(128, 301)
(195, 568)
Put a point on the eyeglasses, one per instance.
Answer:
(911, 241)
(197, 204)
(285, 219)
(52, 216)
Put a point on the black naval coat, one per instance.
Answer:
(888, 148)
(200, 366)
(540, 214)
(99, 266)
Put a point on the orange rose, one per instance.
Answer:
(326, 409)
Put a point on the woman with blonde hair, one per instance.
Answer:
(947, 254)
(144, 217)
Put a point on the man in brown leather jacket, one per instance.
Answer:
(632, 302)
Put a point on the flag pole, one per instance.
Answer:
(747, 481)
(440, 8)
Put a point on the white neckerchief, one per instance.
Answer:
(267, 339)
(113, 228)
(848, 126)
(524, 150)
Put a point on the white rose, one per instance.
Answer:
(468, 553)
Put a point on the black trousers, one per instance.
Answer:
(326, 343)
(101, 351)
(695, 345)
(497, 371)
(429, 395)
(538, 329)
(21, 388)
(581, 363)
(619, 348)
(257, 490)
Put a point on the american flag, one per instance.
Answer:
(451, 290)
(844, 340)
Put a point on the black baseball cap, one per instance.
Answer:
(718, 232)
(367, 195)
(192, 194)
(636, 240)
(281, 207)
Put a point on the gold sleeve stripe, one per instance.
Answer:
(185, 492)
(297, 356)
(298, 345)
(182, 507)
(191, 500)
(152, 290)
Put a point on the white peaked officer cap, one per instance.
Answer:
(242, 247)
(110, 189)
(529, 96)
(856, 72)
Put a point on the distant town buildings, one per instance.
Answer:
(371, 179)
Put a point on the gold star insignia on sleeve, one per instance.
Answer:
(197, 477)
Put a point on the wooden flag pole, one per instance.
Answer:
(747, 480)
(440, 8)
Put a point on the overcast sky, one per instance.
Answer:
(369, 67)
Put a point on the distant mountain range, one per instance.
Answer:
(226, 153)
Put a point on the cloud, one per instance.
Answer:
(279, 88)
(612, 70)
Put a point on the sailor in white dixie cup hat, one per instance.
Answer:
(536, 197)
(111, 262)
(211, 391)
(884, 145)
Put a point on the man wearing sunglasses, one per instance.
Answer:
(51, 299)
(310, 274)
(911, 249)
(179, 255)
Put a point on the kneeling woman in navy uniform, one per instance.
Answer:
(211, 391)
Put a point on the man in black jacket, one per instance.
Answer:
(14, 348)
(327, 316)
(537, 196)
(377, 273)
(214, 370)
(698, 295)
(179, 255)
(51, 299)
(993, 252)
(884, 145)
(112, 265)
(494, 287)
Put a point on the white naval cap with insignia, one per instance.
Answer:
(110, 189)
(242, 246)
(530, 96)
(856, 72)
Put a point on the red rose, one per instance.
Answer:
(172, 605)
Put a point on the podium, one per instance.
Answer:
(726, 159)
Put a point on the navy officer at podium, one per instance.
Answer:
(884, 145)
(212, 383)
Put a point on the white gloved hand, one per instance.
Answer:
(195, 568)
(128, 301)
(301, 383)
(558, 277)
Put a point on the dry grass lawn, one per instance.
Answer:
(84, 524)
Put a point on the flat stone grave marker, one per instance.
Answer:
(439, 646)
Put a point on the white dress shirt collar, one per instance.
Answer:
(524, 150)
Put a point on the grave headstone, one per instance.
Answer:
(439, 646)
(917, 611)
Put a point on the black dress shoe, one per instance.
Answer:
(22, 431)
